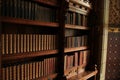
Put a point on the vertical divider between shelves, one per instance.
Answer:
(0, 45)
(0, 53)
(62, 10)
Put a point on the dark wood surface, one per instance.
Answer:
(47, 2)
(0, 53)
(27, 22)
(75, 49)
(84, 76)
(69, 26)
(27, 55)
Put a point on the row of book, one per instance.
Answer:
(78, 41)
(30, 71)
(27, 10)
(76, 19)
(21, 43)
(76, 59)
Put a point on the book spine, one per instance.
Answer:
(18, 43)
(10, 43)
(45, 42)
(28, 42)
(42, 68)
(76, 59)
(6, 39)
(34, 39)
(34, 71)
(15, 43)
(29, 10)
(10, 73)
(15, 8)
(18, 73)
(7, 73)
(3, 73)
(28, 71)
(21, 43)
(31, 71)
(22, 72)
(25, 43)
(37, 69)
(3, 43)
(40, 71)
(40, 42)
(14, 73)
(31, 42)
(36, 42)
(25, 70)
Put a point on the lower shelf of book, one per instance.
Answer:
(79, 73)
(84, 75)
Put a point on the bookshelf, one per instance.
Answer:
(38, 36)
(77, 49)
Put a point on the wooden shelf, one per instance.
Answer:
(84, 76)
(47, 2)
(75, 49)
(81, 3)
(76, 27)
(27, 22)
(49, 77)
(27, 55)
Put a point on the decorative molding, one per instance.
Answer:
(115, 30)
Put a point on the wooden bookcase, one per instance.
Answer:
(42, 40)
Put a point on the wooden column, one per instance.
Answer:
(0, 53)
(62, 10)
(0, 45)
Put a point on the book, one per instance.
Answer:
(76, 59)
(22, 72)
(6, 44)
(3, 43)
(21, 43)
(34, 40)
(37, 69)
(31, 71)
(28, 71)
(15, 43)
(10, 43)
(18, 72)
(34, 71)
(4, 74)
(31, 42)
(14, 72)
(25, 70)
(25, 43)
(28, 43)
(7, 73)
(18, 43)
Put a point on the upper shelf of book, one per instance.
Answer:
(27, 22)
(82, 2)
